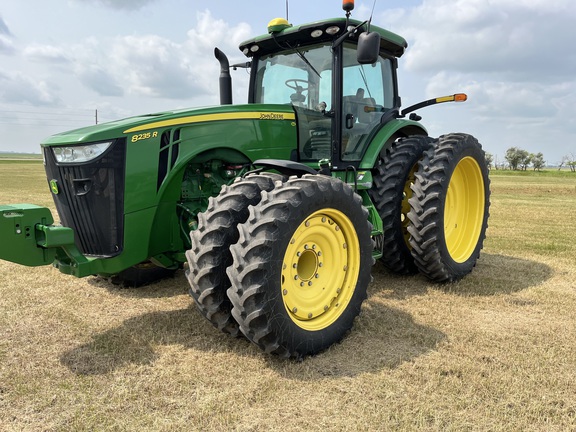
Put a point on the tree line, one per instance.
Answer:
(518, 159)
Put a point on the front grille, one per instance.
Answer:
(90, 199)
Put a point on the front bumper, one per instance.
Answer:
(28, 237)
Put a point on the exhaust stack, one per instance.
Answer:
(225, 78)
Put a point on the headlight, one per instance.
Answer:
(78, 154)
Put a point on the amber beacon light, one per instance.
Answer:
(348, 5)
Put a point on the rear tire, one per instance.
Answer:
(390, 193)
(210, 254)
(301, 266)
(450, 208)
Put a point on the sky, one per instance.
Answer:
(63, 61)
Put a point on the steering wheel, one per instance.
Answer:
(297, 98)
(297, 88)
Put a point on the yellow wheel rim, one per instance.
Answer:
(320, 269)
(464, 209)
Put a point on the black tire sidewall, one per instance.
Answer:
(398, 258)
(468, 148)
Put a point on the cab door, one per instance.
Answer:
(368, 92)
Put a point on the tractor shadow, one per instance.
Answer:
(171, 286)
(136, 339)
(382, 338)
(494, 274)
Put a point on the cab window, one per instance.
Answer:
(368, 92)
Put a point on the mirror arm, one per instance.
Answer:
(342, 38)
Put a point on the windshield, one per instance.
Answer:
(302, 77)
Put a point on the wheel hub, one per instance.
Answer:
(316, 282)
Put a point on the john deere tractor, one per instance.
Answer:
(276, 209)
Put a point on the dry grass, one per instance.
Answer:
(495, 352)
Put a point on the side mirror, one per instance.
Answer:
(368, 48)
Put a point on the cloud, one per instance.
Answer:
(119, 4)
(210, 32)
(99, 80)
(4, 30)
(46, 54)
(6, 43)
(19, 88)
(151, 65)
(517, 39)
(509, 100)
(514, 58)
(148, 66)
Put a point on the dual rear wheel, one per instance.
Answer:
(296, 278)
(433, 197)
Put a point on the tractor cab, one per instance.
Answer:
(340, 101)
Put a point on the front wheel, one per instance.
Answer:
(301, 266)
(449, 208)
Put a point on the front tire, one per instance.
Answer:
(450, 208)
(301, 266)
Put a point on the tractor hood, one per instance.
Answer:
(140, 124)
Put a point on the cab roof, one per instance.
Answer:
(300, 35)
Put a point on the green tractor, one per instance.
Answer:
(277, 209)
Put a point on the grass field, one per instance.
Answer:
(20, 156)
(494, 352)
